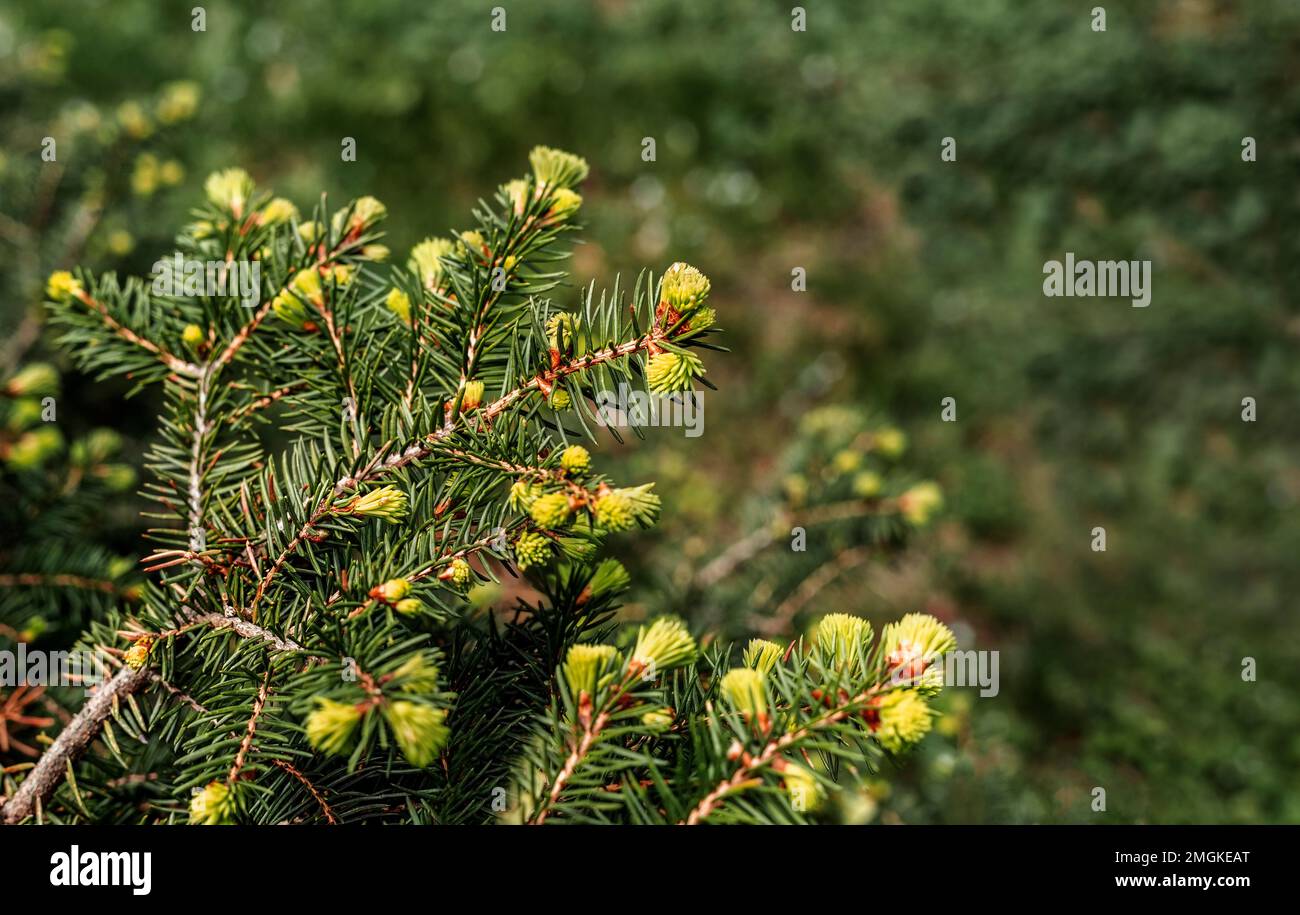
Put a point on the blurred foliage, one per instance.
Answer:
(820, 150)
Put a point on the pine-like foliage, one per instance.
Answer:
(53, 576)
(842, 499)
(343, 470)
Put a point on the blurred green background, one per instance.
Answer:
(820, 149)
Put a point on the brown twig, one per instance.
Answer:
(320, 798)
(246, 744)
(544, 381)
(590, 734)
(72, 741)
(746, 775)
(745, 549)
(779, 622)
(177, 365)
(261, 403)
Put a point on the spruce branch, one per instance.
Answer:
(340, 478)
(171, 361)
(72, 741)
(747, 774)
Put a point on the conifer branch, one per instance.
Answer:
(246, 744)
(592, 728)
(72, 741)
(543, 382)
(746, 774)
(742, 551)
(461, 363)
(197, 528)
(330, 818)
(782, 619)
(264, 401)
(175, 363)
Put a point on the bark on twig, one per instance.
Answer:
(70, 744)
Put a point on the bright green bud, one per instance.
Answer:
(365, 213)
(178, 102)
(668, 372)
(746, 690)
(614, 511)
(117, 477)
(555, 168)
(659, 720)
(416, 676)
(532, 549)
(458, 573)
(801, 785)
(684, 288)
(902, 718)
(564, 203)
(665, 644)
(36, 380)
(551, 511)
(193, 336)
(386, 502)
(645, 504)
(137, 656)
(912, 645)
(560, 331)
(409, 606)
(418, 729)
(621, 509)
(471, 242)
(866, 484)
(97, 446)
(843, 638)
(399, 303)
(378, 253)
(35, 628)
(560, 399)
(392, 590)
(846, 461)
(289, 308)
(920, 503)
(23, 413)
(331, 725)
(890, 442)
(610, 576)
(306, 284)
(310, 231)
(229, 189)
(34, 448)
(425, 261)
(523, 494)
(585, 667)
(701, 319)
(473, 395)
(62, 286)
(763, 655)
(279, 211)
(133, 120)
(516, 192)
(213, 806)
(575, 459)
(171, 172)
